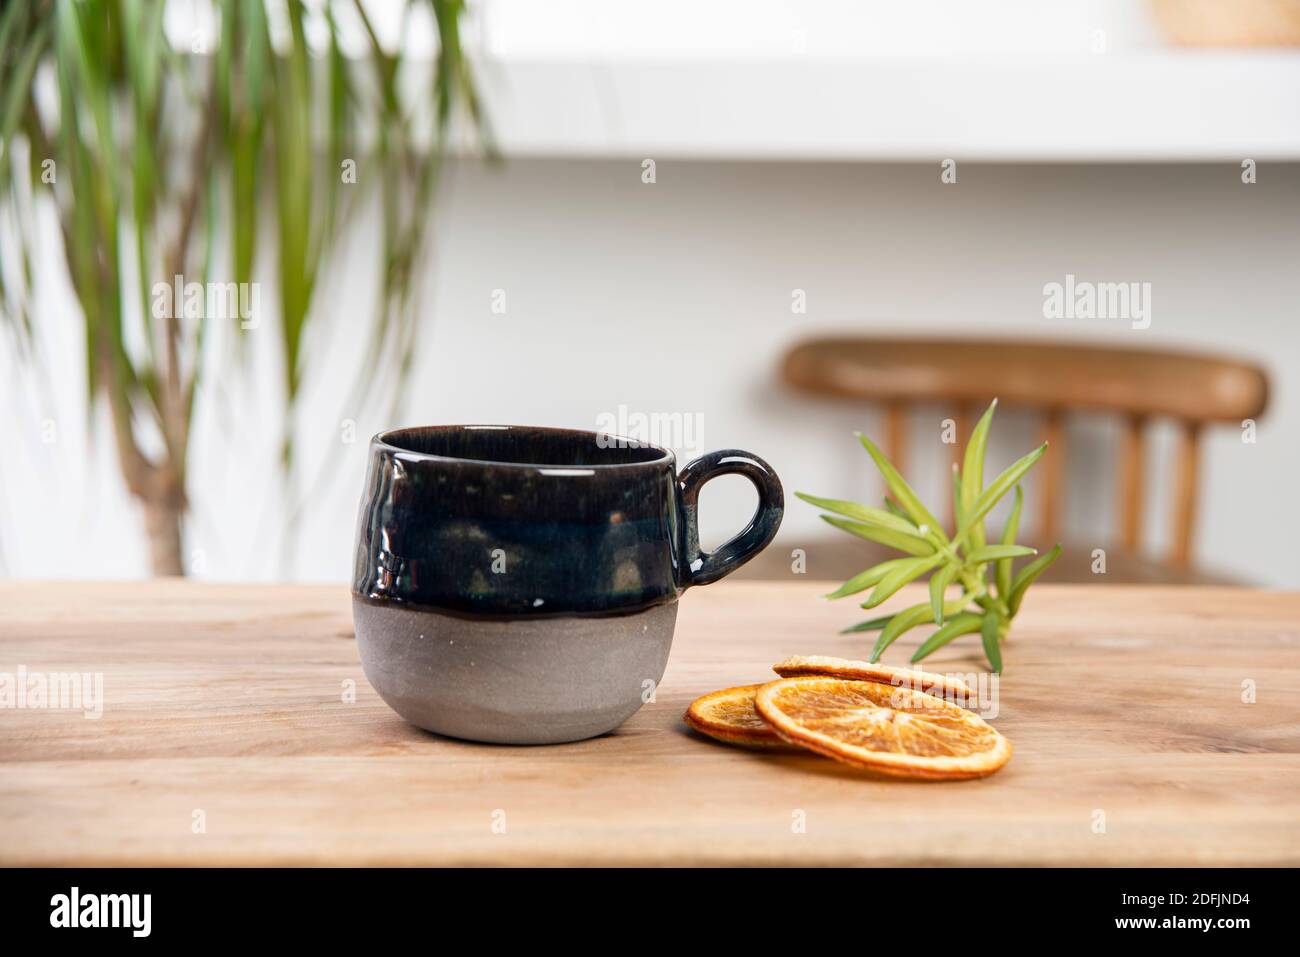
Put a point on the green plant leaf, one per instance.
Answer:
(910, 570)
(865, 579)
(956, 496)
(903, 621)
(158, 150)
(906, 620)
(893, 508)
(972, 470)
(1001, 485)
(939, 583)
(294, 197)
(904, 542)
(871, 624)
(862, 513)
(1009, 531)
(990, 632)
(19, 83)
(1028, 575)
(902, 492)
(964, 624)
(991, 553)
(905, 523)
(13, 17)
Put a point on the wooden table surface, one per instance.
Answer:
(226, 706)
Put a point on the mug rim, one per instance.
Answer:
(389, 440)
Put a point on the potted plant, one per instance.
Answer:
(236, 158)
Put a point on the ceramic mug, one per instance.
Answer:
(519, 585)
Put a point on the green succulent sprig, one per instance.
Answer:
(963, 559)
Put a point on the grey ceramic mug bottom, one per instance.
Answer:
(522, 681)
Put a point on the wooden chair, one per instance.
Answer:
(1054, 379)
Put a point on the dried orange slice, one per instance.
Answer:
(729, 715)
(893, 730)
(949, 687)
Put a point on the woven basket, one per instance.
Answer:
(1230, 23)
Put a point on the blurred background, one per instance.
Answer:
(717, 225)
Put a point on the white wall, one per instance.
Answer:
(676, 297)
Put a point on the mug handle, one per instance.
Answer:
(700, 568)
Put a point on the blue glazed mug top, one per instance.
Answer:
(517, 521)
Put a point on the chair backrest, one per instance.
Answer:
(1054, 378)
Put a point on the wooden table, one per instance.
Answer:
(226, 707)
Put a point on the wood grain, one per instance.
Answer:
(1185, 485)
(1132, 483)
(229, 700)
(896, 435)
(1038, 375)
(1052, 477)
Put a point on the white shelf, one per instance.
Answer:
(1157, 106)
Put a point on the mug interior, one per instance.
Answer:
(523, 445)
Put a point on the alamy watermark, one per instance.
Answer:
(1074, 299)
(683, 432)
(981, 694)
(208, 300)
(74, 909)
(53, 691)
